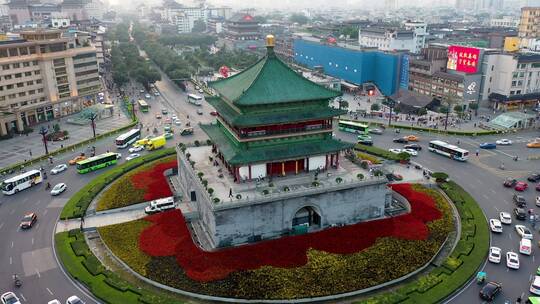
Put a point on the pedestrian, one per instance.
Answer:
(230, 192)
(477, 152)
(30, 152)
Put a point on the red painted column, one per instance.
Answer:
(337, 159)
(249, 168)
(326, 161)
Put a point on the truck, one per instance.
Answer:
(155, 143)
(141, 142)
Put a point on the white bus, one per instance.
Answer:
(195, 99)
(353, 127)
(20, 182)
(448, 150)
(126, 139)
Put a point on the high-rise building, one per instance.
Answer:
(390, 4)
(529, 25)
(43, 76)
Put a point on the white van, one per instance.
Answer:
(535, 285)
(159, 205)
(525, 246)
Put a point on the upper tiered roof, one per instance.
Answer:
(269, 81)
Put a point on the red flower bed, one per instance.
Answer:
(153, 182)
(170, 236)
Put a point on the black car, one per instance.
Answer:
(400, 140)
(520, 213)
(490, 291)
(534, 177)
(367, 142)
(415, 147)
(519, 200)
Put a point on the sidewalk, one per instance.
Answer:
(26, 147)
(363, 103)
(104, 218)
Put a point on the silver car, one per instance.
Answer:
(59, 168)
(58, 189)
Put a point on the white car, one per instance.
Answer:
(512, 260)
(118, 155)
(147, 96)
(132, 156)
(156, 93)
(136, 149)
(495, 225)
(177, 122)
(55, 301)
(505, 218)
(504, 142)
(410, 151)
(9, 298)
(495, 255)
(58, 189)
(201, 91)
(397, 151)
(174, 117)
(199, 111)
(537, 201)
(74, 300)
(59, 168)
(524, 232)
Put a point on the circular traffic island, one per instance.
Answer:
(334, 261)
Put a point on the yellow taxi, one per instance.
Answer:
(534, 144)
(411, 138)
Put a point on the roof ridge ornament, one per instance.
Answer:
(270, 43)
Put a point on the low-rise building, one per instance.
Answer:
(505, 21)
(43, 76)
(243, 27)
(411, 37)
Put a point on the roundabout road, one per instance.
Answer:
(30, 253)
(481, 177)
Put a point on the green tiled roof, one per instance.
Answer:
(269, 118)
(235, 156)
(269, 81)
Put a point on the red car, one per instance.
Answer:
(521, 186)
(28, 220)
(213, 113)
(538, 187)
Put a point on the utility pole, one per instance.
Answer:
(391, 104)
(43, 131)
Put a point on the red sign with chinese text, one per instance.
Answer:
(463, 59)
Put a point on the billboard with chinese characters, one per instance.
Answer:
(463, 59)
(404, 72)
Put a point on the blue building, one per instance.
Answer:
(355, 66)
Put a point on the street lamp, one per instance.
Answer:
(92, 118)
(43, 131)
(391, 103)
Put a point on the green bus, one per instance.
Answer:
(97, 162)
(353, 127)
(143, 106)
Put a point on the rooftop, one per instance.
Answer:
(269, 81)
(222, 182)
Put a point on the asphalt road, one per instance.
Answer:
(29, 253)
(482, 178)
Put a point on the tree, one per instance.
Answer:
(422, 111)
(458, 109)
(299, 18)
(343, 104)
(199, 26)
(375, 107)
(449, 102)
(474, 106)
(440, 176)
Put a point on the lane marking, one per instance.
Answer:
(1, 225)
(11, 244)
(32, 241)
(510, 236)
(493, 191)
(45, 212)
(37, 225)
(22, 297)
(485, 196)
(496, 208)
(38, 274)
(49, 291)
(10, 261)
